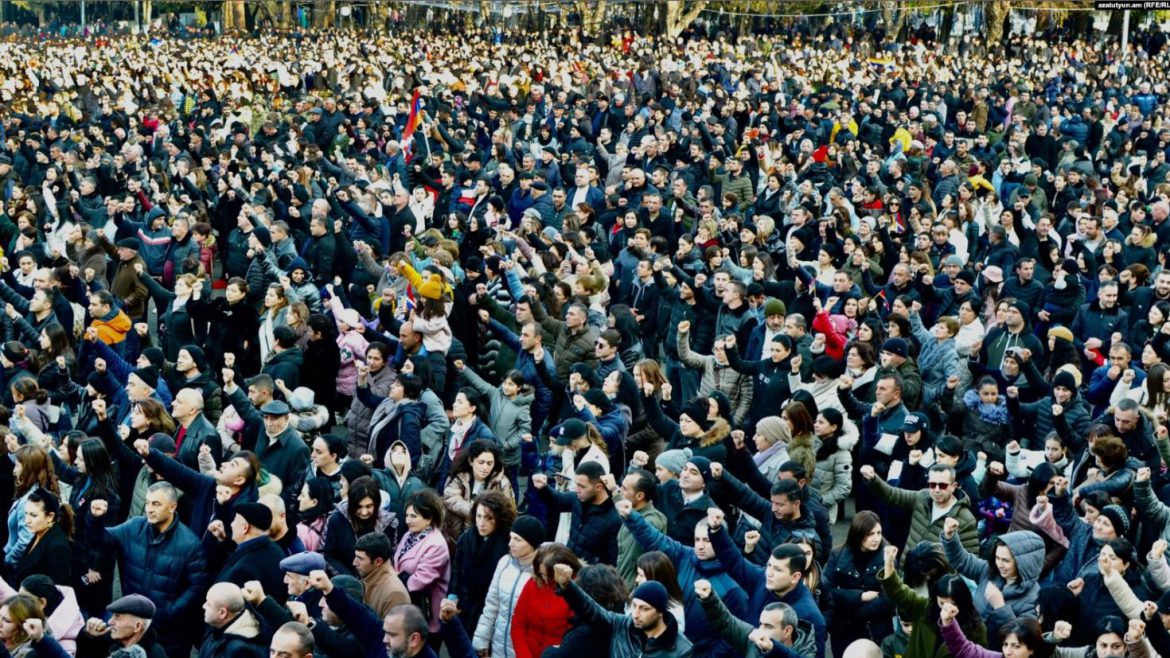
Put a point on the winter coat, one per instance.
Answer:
(718, 377)
(1072, 425)
(539, 621)
(256, 559)
(509, 418)
(593, 530)
(286, 456)
(364, 625)
(937, 361)
(923, 527)
(168, 568)
(751, 578)
(428, 564)
(201, 432)
(924, 640)
(1021, 595)
(736, 633)
(569, 346)
(199, 490)
(395, 421)
(384, 589)
(847, 575)
(51, 556)
(340, 537)
(1083, 550)
(357, 423)
(471, 572)
(65, 622)
(833, 476)
(458, 499)
(494, 630)
(240, 638)
(628, 548)
(689, 569)
(1092, 321)
(626, 641)
(1043, 526)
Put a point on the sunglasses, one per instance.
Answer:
(938, 485)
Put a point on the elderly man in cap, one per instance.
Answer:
(129, 625)
(649, 629)
(256, 556)
(278, 445)
(301, 596)
(126, 285)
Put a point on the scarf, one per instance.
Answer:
(996, 414)
(459, 430)
(412, 540)
(764, 455)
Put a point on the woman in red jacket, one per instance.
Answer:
(541, 617)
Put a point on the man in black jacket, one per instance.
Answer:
(256, 556)
(595, 525)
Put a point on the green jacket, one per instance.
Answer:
(735, 632)
(628, 548)
(925, 642)
(920, 507)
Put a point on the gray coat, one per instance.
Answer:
(358, 422)
(509, 418)
(1021, 596)
(718, 377)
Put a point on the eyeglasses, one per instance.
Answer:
(938, 485)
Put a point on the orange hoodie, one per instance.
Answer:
(113, 330)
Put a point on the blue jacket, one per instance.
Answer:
(168, 568)
(1101, 387)
(527, 365)
(753, 581)
(690, 569)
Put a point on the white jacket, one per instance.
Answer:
(494, 630)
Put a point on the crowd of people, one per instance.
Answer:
(527, 345)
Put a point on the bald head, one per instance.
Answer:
(187, 405)
(225, 601)
(279, 515)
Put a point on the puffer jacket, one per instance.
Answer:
(169, 568)
(1072, 425)
(593, 529)
(702, 633)
(470, 579)
(718, 377)
(627, 641)
(358, 421)
(920, 506)
(494, 630)
(65, 623)
(937, 361)
(1021, 595)
(833, 476)
(458, 498)
(339, 539)
(509, 418)
(846, 577)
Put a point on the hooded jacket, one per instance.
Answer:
(494, 630)
(1020, 595)
(923, 527)
(240, 638)
(699, 628)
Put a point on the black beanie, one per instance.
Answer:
(530, 529)
(149, 376)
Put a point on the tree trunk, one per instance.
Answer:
(679, 17)
(894, 17)
(324, 14)
(147, 11)
(997, 14)
(592, 16)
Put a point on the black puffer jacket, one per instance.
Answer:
(594, 531)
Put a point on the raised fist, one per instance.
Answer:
(98, 508)
(950, 527)
(1076, 586)
(624, 507)
(35, 628)
(448, 610)
(641, 459)
(217, 530)
(319, 580)
(142, 446)
(1143, 474)
(738, 437)
(253, 592)
(751, 538)
(684, 326)
(714, 517)
(703, 589)
(1062, 631)
(563, 573)
(99, 365)
(540, 480)
(716, 470)
(867, 472)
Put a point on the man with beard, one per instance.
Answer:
(1015, 332)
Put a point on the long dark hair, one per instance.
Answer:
(51, 503)
(502, 508)
(604, 585)
(951, 586)
(359, 490)
(472, 452)
(320, 490)
(863, 523)
(655, 565)
(99, 469)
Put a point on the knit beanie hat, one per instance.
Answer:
(1072, 370)
(827, 367)
(1061, 332)
(654, 594)
(156, 358)
(703, 465)
(1065, 379)
(896, 346)
(100, 383)
(431, 287)
(697, 410)
(774, 307)
(722, 402)
(1118, 517)
(256, 514)
(197, 355)
(530, 529)
(772, 428)
(672, 460)
(148, 375)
